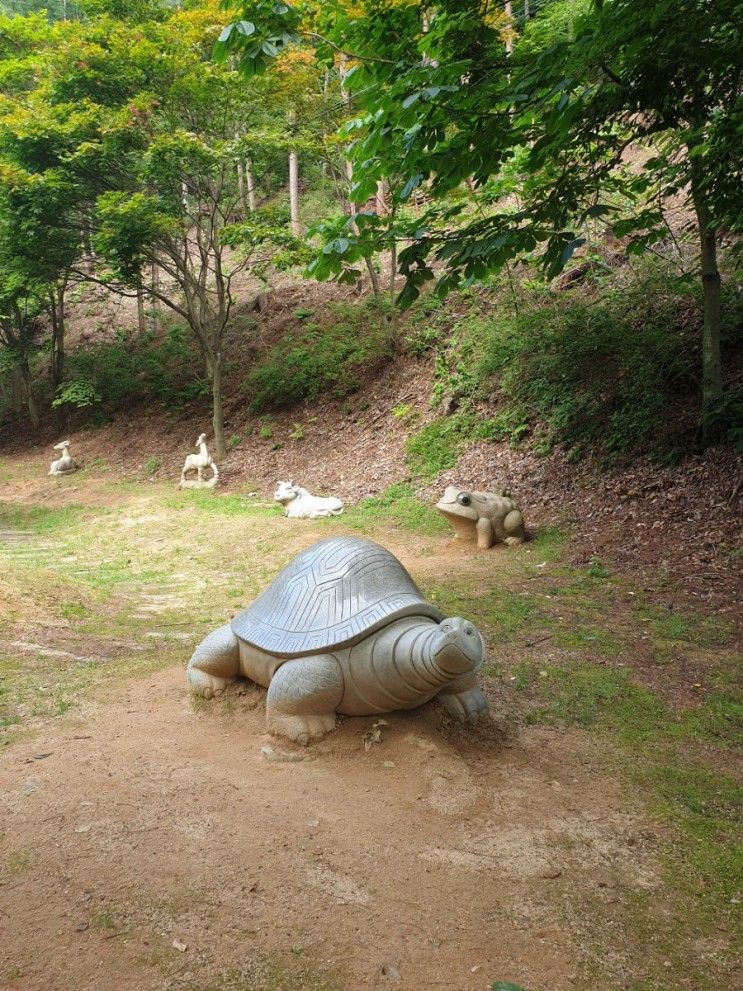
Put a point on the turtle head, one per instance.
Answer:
(459, 647)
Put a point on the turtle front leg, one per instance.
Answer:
(303, 696)
(215, 663)
(463, 699)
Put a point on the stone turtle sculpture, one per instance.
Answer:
(485, 517)
(343, 629)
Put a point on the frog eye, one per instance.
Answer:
(464, 499)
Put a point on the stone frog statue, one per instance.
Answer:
(343, 629)
(485, 517)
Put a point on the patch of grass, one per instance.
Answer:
(397, 506)
(40, 519)
(213, 504)
(104, 918)
(671, 627)
(151, 465)
(503, 615)
(666, 753)
(437, 446)
(18, 861)
(597, 640)
(74, 610)
(547, 543)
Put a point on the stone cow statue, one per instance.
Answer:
(299, 504)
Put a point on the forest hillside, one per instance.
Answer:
(375, 248)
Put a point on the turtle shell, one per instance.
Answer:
(331, 595)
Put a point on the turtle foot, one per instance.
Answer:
(466, 706)
(206, 685)
(301, 729)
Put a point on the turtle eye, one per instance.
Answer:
(464, 499)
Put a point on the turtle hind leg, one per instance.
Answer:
(214, 663)
(303, 696)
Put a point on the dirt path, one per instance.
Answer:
(448, 861)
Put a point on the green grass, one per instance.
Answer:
(670, 755)
(40, 519)
(225, 504)
(397, 506)
(561, 632)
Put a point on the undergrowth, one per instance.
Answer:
(130, 369)
(612, 373)
(315, 358)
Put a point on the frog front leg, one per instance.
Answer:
(485, 533)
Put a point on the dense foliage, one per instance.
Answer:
(607, 113)
(177, 153)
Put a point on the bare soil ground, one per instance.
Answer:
(150, 842)
(148, 826)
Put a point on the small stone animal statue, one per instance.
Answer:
(299, 504)
(482, 516)
(197, 463)
(65, 464)
(343, 628)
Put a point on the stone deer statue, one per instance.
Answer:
(197, 463)
(65, 464)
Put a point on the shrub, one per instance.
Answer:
(313, 359)
(139, 369)
(614, 377)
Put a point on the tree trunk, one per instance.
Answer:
(33, 412)
(250, 184)
(294, 193)
(58, 340)
(140, 314)
(711, 283)
(241, 190)
(61, 329)
(154, 283)
(381, 198)
(16, 389)
(369, 262)
(218, 413)
(393, 273)
(508, 7)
